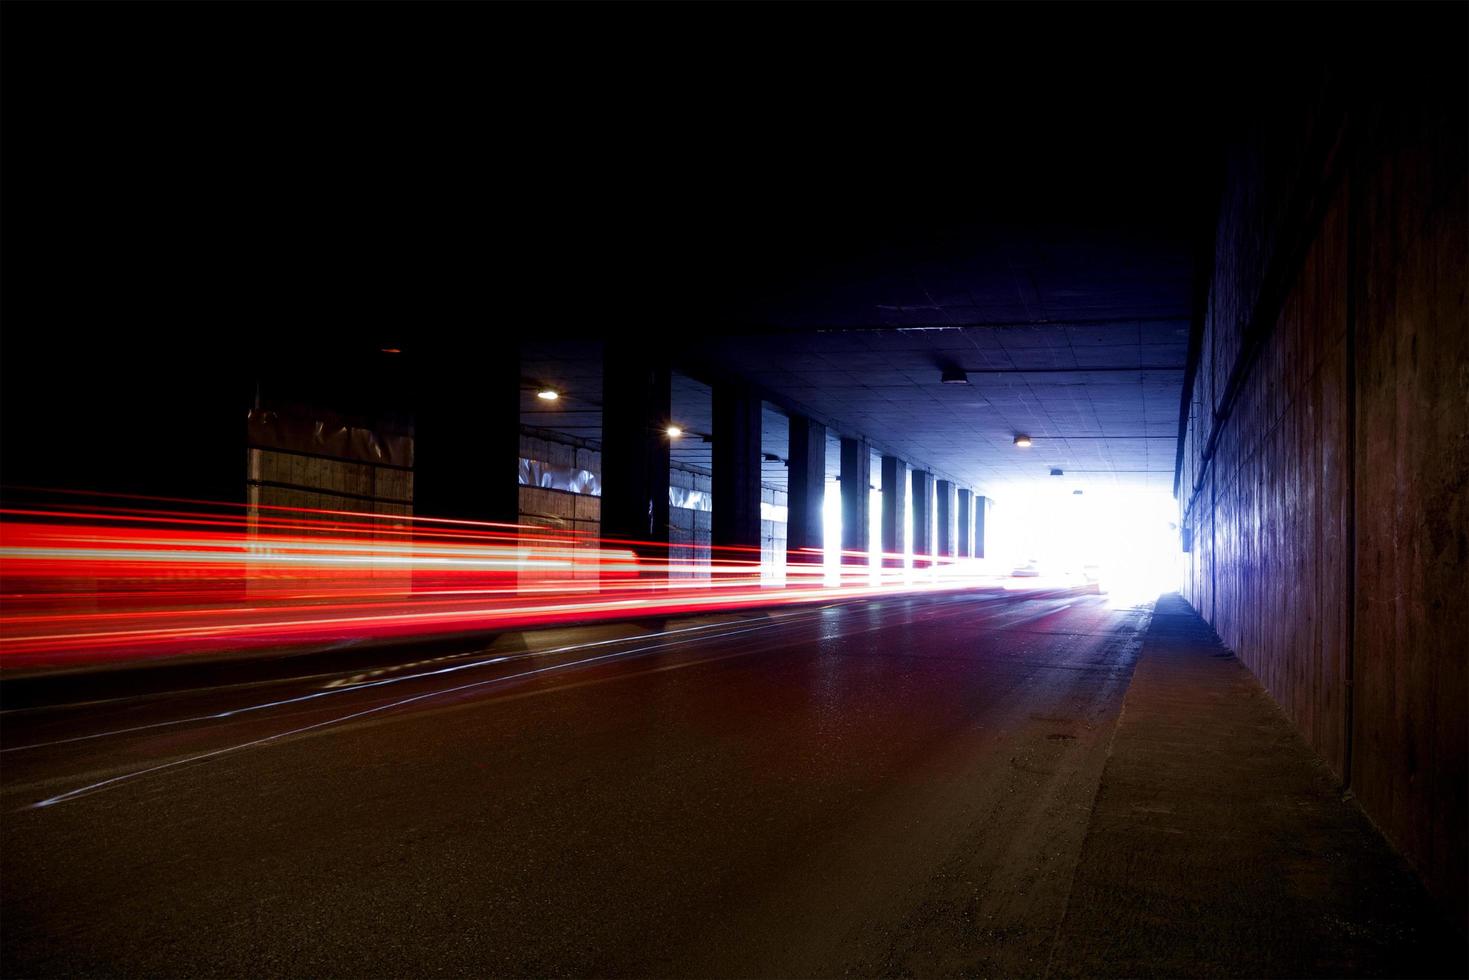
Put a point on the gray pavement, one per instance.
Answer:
(897, 787)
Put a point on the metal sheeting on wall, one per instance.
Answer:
(304, 457)
(313, 432)
(538, 473)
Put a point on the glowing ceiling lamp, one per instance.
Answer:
(1023, 441)
(673, 432)
(548, 394)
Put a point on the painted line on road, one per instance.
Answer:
(115, 780)
(370, 684)
(947, 601)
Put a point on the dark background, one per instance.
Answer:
(199, 197)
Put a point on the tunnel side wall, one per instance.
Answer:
(1326, 454)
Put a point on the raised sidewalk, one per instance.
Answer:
(1220, 845)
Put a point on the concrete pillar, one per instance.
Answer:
(894, 520)
(466, 438)
(806, 495)
(466, 443)
(981, 521)
(966, 523)
(636, 396)
(945, 509)
(856, 477)
(736, 481)
(922, 518)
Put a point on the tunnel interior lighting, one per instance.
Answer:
(673, 432)
(548, 394)
(954, 376)
(1022, 441)
(1056, 472)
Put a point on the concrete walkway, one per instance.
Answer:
(1221, 846)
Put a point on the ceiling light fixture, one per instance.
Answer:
(1023, 441)
(392, 350)
(1076, 493)
(673, 432)
(954, 376)
(1056, 472)
(548, 394)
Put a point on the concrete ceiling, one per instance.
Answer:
(839, 248)
(1075, 336)
(1099, 401)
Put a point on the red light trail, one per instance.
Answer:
(156, 578)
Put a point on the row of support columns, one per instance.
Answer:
(959, 512)
(948, 522)
(636, 405)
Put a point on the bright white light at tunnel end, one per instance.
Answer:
(1117, 540)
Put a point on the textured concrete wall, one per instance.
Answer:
(1412, 488)
(298, 455)
(282, 479)
(579, 514)
(1280, 503)
(690, 531)
(1326, 454)
(773, 541)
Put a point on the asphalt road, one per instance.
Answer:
(897, 786)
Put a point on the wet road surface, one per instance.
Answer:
(896, 786)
